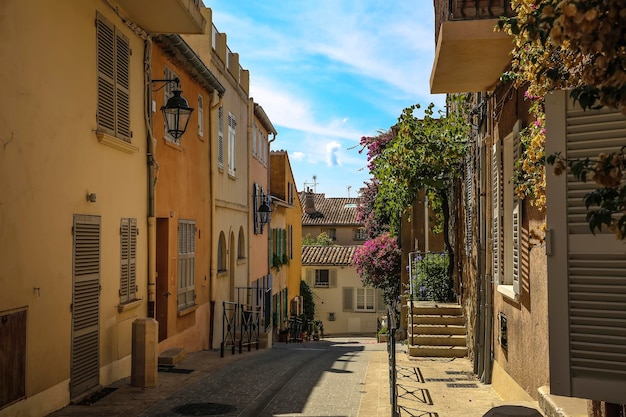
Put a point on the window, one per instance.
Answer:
(13, 358)
(325, 278)
(254, 130)
(365, 299)
(220, 137)
(221, 253)
(128, 246)
(290, 192)
(200, 115)
(113, 65)
(241, 245)
(332, 233)
(186, 263)
(506, 221)
(168, 91)
(360, 234)
(232, 124)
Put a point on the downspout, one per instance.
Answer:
(212, 267)
(269, 229)
(153, 168)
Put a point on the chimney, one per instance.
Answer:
(309, 202)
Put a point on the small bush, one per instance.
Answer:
(430, 278)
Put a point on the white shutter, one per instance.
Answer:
(517, 229)
(232, 124)
(497, 209)
(220, 137)
(586, 273)
(105, 39)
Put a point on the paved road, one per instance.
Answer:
(312, 379)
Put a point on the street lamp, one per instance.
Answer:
(176, 111)
(265, 212)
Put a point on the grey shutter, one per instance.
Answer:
(517, 229)
(122, 86)
(85, 365)
(186, 263)
(348, 299)
(310, 277)
(497, 209)
(105, 39)
(128, 251)
(255, 204)
(469, 201)
(220, 137)
(587, 273)
(332, 278)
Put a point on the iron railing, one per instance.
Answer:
(479, 9)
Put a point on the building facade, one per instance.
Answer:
(76, 277)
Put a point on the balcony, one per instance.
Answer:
(470, 56)
(165, 16)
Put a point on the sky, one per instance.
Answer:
(330, 72)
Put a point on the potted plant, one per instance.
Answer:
(383, 334)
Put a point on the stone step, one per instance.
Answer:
(438, 340)
(438, 351)
(440, 320)
(172, 356)
(430, 329)
(438, 310)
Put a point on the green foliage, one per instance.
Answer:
(430, 278)
(321, 240)
(418, 154)
(308, 303)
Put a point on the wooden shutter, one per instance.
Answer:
(105, 39)
(122, 86)
(128, 251)
(586, 272)
(256, 202)
(113, 66)
(220, 137)
(469, 203)
(332, 278)
(497, 209)
(310, 277)
(186, 263)
(13, 358)
(85, 365)
(348, 298)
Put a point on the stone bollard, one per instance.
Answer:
(144, 370)
(512, 411)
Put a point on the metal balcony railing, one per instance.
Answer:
(479, 9)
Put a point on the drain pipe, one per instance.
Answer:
(487, 353)
(212, 268)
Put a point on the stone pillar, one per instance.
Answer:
(145, 356)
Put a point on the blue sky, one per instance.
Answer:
(329, 72)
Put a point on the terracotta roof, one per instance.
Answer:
(327, 255)
(332, 211)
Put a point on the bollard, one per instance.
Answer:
(144, 370)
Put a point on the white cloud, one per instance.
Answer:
(332, 154)
(297, 156)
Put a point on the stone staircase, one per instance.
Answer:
(438, 330)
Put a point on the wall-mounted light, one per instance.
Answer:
(91, 197)
(265, 212)
(176, 111)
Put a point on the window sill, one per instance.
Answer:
(173, 145)
(116, 143)
(232, 176)
(241, 261)
(507, 291)
(223, 273)
(131, 305)
(187, 310)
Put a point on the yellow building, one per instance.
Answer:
(230, 200)
(259, 266)
(73, 192)
(183, 197)
(285, 241)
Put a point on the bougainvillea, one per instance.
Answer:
(579, 46)
(378, 264)
(375, 222)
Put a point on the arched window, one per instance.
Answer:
(241, 245)
(221, 253)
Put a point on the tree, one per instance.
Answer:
(420, 154)
(308, 303)
(321, 240)
(378, 264)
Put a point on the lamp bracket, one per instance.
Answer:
(166, 82)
